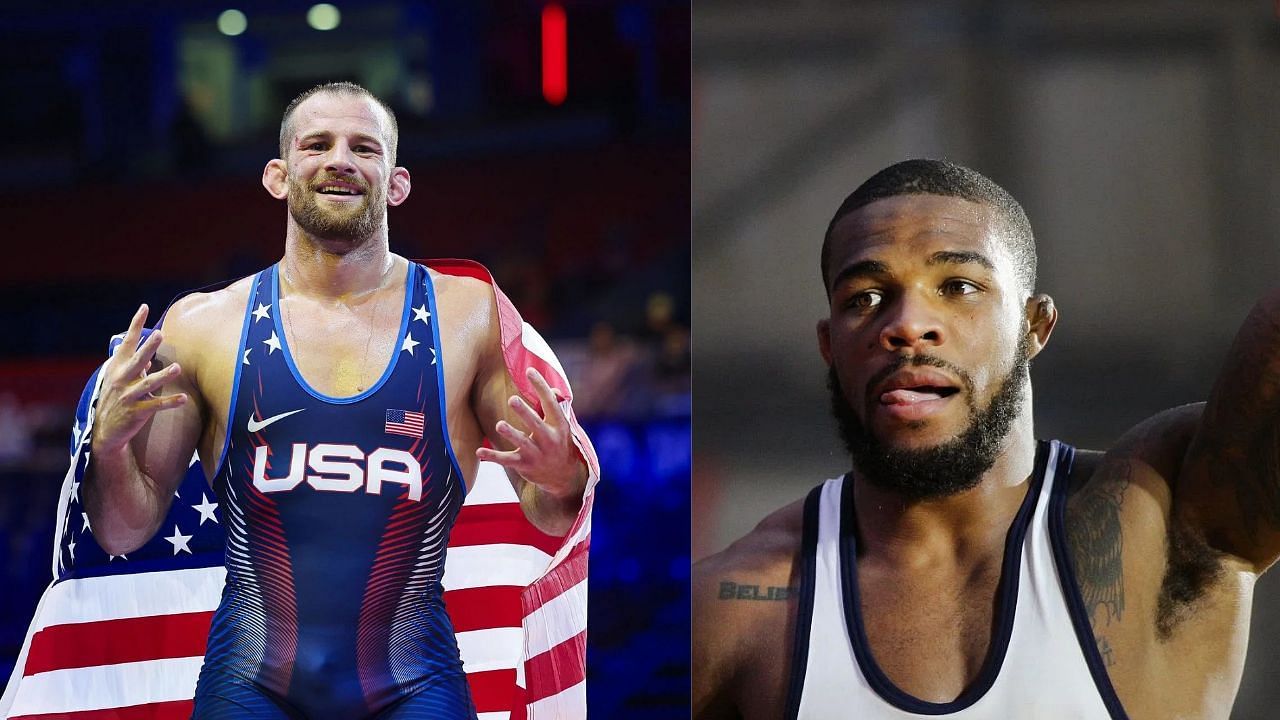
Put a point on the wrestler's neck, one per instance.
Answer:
(339, 269)
(963, 528)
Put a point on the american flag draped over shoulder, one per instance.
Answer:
(124, 637)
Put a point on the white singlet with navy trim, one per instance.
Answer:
(1042, 661)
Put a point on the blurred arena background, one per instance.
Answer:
(134, 140)
(1140, 136)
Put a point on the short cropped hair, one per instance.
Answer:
(337, 88)
(939, 177)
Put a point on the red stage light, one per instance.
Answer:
(555, 55)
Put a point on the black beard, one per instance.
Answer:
(318, 223)
(949, 467)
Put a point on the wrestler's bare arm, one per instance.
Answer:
(148, 421)
(128, 493)
(1169, 613)
(1229, 486)
(744, 610)
(537, 449)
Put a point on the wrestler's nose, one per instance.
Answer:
(911, 323)
(340, 159)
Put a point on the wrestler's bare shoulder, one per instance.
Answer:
(206, 322)
(752, 580)
(202, 311)
(461, 299)
(769, 551)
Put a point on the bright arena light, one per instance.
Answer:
(232, 22)
(555, 57)
(323, 16)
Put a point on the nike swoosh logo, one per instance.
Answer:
(256, 425)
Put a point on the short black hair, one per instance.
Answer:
(337, 88)
(939, 177)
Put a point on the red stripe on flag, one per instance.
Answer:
(459, 267)
(493, 690)
(516, 355)
(556, 669)
(109, 642)
(499, 523)
(172, 710)
(484, 608)
(519, 709)
(556, 582)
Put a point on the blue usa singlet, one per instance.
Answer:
(337, 513)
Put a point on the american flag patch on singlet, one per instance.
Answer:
(404, 422)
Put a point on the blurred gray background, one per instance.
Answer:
(1141, 137)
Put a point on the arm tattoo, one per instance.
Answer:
(1104, 649)
(1097, 543)
(734, 591)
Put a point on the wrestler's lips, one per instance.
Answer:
(341, 198)
(916, 394)
(338, 191)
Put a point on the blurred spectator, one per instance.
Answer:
(601, 385)
(15, 432)
(671, 373)
(659, 318)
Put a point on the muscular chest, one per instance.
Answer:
(334, 352)
(339, 353)
(930, 635)
(930, 631)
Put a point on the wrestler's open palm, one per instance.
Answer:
(127, 399)
(544, 453)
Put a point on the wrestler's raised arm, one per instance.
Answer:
(147, 423)
(536, 448)
(1229, 484)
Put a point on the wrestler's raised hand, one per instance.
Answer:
(126, 400)
(543, 453)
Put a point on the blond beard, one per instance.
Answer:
(355, 225)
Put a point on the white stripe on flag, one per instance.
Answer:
(493, 649)
(471, 566)
(568, 703)
(107, 686)
(534, 343)
(491, 486)
(135, 595)
(504, 715)
(560, 619)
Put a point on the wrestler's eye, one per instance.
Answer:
(959, 287)
(865, 300)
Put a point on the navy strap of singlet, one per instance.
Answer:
(804, 613)
(1071, 588)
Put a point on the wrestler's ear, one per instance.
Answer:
(275, 178)
(398, 191)
(1041, 317)
(824, 340)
